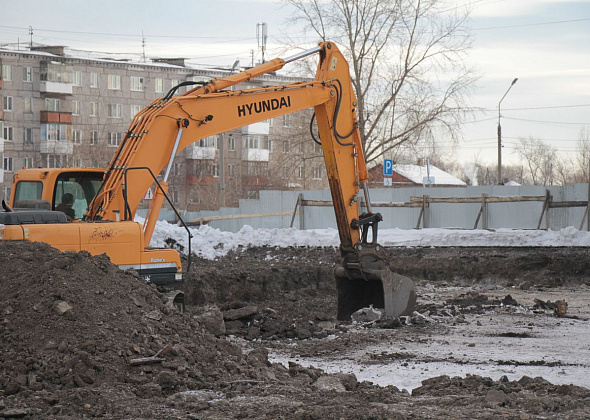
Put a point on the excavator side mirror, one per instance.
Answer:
(6, 207)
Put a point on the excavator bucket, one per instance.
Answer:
(394, 293)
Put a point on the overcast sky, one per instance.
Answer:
(545, 43)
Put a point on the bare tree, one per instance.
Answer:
(407, 61)
(582, 159)
(539, 160)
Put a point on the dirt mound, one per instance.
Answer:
(71, 321)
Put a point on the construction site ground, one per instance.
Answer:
(259, 339)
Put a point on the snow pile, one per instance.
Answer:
(210, 243)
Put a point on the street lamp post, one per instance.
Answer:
(500, 180)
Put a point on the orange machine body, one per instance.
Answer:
(106, 200)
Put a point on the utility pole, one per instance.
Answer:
(261, 36)
(143, 46)
(500, 179)
(222, 170)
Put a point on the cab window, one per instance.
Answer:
(76, 190)
(27, 190)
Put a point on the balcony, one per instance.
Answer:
(56, 87)
(56, 117)
(1, 145)
(201, 153)
(262, 128)
(255, 155)
(56, 147)
(56, 78)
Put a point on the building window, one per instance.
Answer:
(286, 172)
(53, 104)
(28, 104)
(232, 143)
(8, 103)
(286, 146)
(317, 147)
(28, 136)
(7, 192)
(256, 142)
(8, 133)
(77, 78)
(159, 85)
(286, 120)
(54, 131)
(56, 72)
(137, 83)
(114, 82)
(301, 147)
(6, 73)
(210, 141)
(176, 82)
(94, 138)
(75, 107)
(94, 80)
(27, 74)
(302, 121)
(54, 161)
(115, 139)
(135, 110)
(231, 169)
(28, 162)
(77, 136)
(7, 164)
(94, 109)
(317, 172)
(301, 172)
(115, 111)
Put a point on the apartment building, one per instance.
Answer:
(64, 109)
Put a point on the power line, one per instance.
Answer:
(547, 107)
(557, 22)
(546, 122)
(131, 35)
(478, 109)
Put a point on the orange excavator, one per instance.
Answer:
(104, 202)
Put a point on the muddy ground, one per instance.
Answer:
(81, 339)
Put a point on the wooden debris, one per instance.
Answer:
(156, 358)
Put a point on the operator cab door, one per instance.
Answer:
(83, 186)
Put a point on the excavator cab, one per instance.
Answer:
(45, 188)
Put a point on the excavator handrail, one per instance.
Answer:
(190, 235)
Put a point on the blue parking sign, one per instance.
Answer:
(388, 167)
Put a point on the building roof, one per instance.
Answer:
(65, 53)
(417, 174)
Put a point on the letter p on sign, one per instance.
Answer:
(388, 167)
